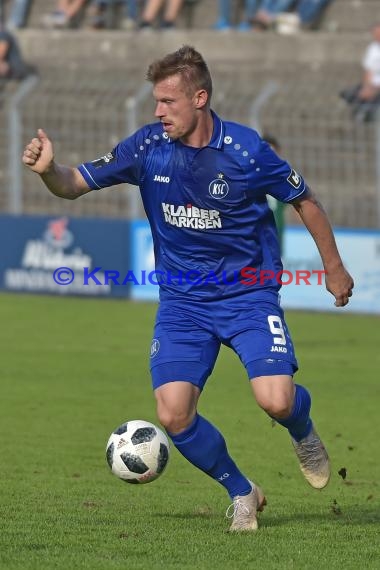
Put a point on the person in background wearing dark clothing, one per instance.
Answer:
(12, 64)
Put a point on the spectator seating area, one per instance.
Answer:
(87, 77)
(340, 15)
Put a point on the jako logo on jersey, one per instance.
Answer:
(190, 216)
(218, 188)
(294, 179)
(158, 178)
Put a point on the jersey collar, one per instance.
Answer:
(217, 133)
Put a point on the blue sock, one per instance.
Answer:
(299, 423)
(204, 446)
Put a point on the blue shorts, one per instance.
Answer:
(188, 335)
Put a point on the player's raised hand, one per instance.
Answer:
(38, 154)
(340, 284)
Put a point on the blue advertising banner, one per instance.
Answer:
(304, 285)
(64, 256)
(98, 257)
(360, 251)
(144, 286)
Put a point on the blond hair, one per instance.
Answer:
(186, 62)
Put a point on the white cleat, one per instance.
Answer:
(244, 510)
(313, 458)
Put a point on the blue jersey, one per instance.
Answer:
(207, 207)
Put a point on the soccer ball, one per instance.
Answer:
(137, 452)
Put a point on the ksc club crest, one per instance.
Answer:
(218, 188)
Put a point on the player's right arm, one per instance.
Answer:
(63, 181)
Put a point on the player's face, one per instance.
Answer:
(175, 108)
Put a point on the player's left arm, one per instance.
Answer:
(338, 281)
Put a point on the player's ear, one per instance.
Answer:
(200, 98)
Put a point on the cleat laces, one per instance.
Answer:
(236, 509)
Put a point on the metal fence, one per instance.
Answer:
(85, 117)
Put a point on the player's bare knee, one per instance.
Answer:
(280, 407)
(275, 395)
(174, 421)
(176, 405)
(175, 424)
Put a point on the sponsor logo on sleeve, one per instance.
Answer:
(103, 160)
(294, 179)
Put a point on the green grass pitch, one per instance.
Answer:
(72, 370)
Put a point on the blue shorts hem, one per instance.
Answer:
(270, 367)
(194, 372)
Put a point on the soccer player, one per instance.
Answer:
(204, 183)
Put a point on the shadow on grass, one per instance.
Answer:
(357, 516)
(198, 513)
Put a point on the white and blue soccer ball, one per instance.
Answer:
(137, 452)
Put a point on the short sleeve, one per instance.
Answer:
(121, 165)
(270, 174)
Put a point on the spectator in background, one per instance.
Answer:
(306, 15)
(153, 8)
(288, 16)
(103, 15)
(224, 21)
(64, 14)
(277, 207)
(310, 11)
(365, 97)
(18, 14)
(12, 64)
(268, 12)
